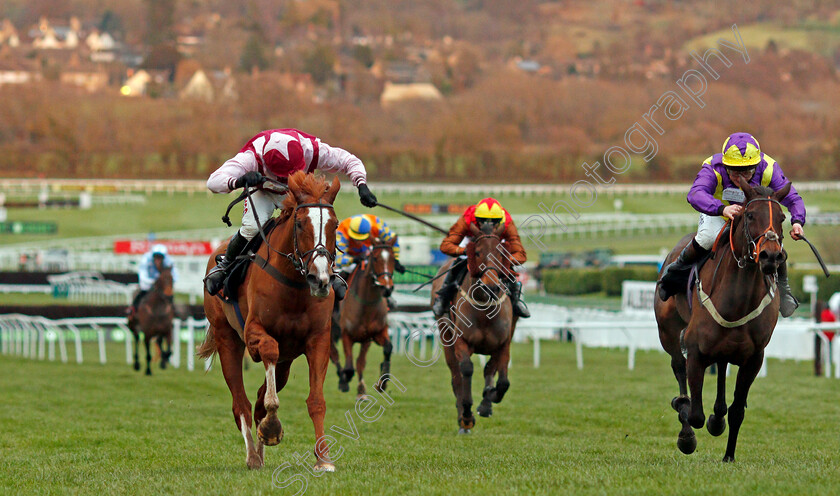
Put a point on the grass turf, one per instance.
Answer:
(94, 429)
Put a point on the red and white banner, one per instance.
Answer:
(174, 247)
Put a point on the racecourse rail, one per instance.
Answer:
(40, 338)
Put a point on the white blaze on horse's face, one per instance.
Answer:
(319, 218)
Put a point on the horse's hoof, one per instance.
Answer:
(363, 397)
(380, 387)
(322, 466)
(136, 366)
(687, 444)
(148, 372)
(254, 461)
(485, 410)
(679, 401)
(716, 425)
(343, 387)
(728, 459)
(464, 431)
(270, 431)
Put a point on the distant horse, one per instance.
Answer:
(154, 318)
(733, 313)
(286, 302)
(363, 315)
(481, 321)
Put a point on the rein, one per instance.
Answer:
(753, 249)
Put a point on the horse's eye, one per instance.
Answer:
(749, 215)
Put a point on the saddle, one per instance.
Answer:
(239, 268)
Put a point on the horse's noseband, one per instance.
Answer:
(301, 261)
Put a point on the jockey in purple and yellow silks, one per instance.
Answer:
(354, 239)
(716, 195)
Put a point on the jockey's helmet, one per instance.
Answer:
(359, 228)
(159, 250)
(741, 150)
(489, 209)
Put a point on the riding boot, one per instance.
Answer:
(339, 285)
(787, 302)
(675, 277)
(447, 291)
(519, 308)
(215, 279)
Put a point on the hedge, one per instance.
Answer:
(589, 280)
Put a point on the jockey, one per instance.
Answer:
(454, 245)
(353, 241)
(276, 154)
(717, 196)
(148, 271)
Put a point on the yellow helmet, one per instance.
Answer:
(359, 228)
(741, 150)
(489, 208)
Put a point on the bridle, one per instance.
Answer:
(299, 261)
(754, 245)
(485, 268)
(376, 275)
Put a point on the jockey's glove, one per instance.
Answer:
(399, 267)
(249, 179)
(366, 197)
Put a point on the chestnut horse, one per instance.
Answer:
(285, 301)
(731, 319)
(363, 315)
(481, 321)
(154, 318)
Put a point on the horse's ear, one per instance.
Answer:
(332, 190)
(748, 190)
(779, 195)
(392, 241)
(500, 228)
(474, 230)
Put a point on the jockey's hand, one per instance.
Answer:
(249, 179)
(399, 267)
(366, 197)
(732, 210)
(796, 231)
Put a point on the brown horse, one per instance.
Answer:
(481, 321)
(363, 315)
(733, 313)
(285, 301)
(154, 318)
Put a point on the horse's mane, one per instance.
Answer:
(763, 191)
(306, 184)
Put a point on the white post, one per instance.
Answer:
(825, 352)
(763, 371)
(101, 335)
(77, 336)
(128, 338)
(482, 360)
(175, 359)
(62, 344)
(578, 349)
(422, 335)
(190, 344)
(631, 356)
(536, 352)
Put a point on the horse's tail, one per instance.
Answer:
(208, 347)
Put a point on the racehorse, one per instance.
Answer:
(733, 312)
(285, 302)
(363, 315)
(481, 321)
(154, 317)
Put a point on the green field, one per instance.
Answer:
(105, 429)
(162, 213)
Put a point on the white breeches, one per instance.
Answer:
(264, 204)
(708, 229)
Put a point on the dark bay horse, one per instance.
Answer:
(733, 313)
(481, 321)
(363, 315)
(154, 318)
(286, 303)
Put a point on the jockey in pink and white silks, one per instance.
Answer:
(276, 154)
(717, 196)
